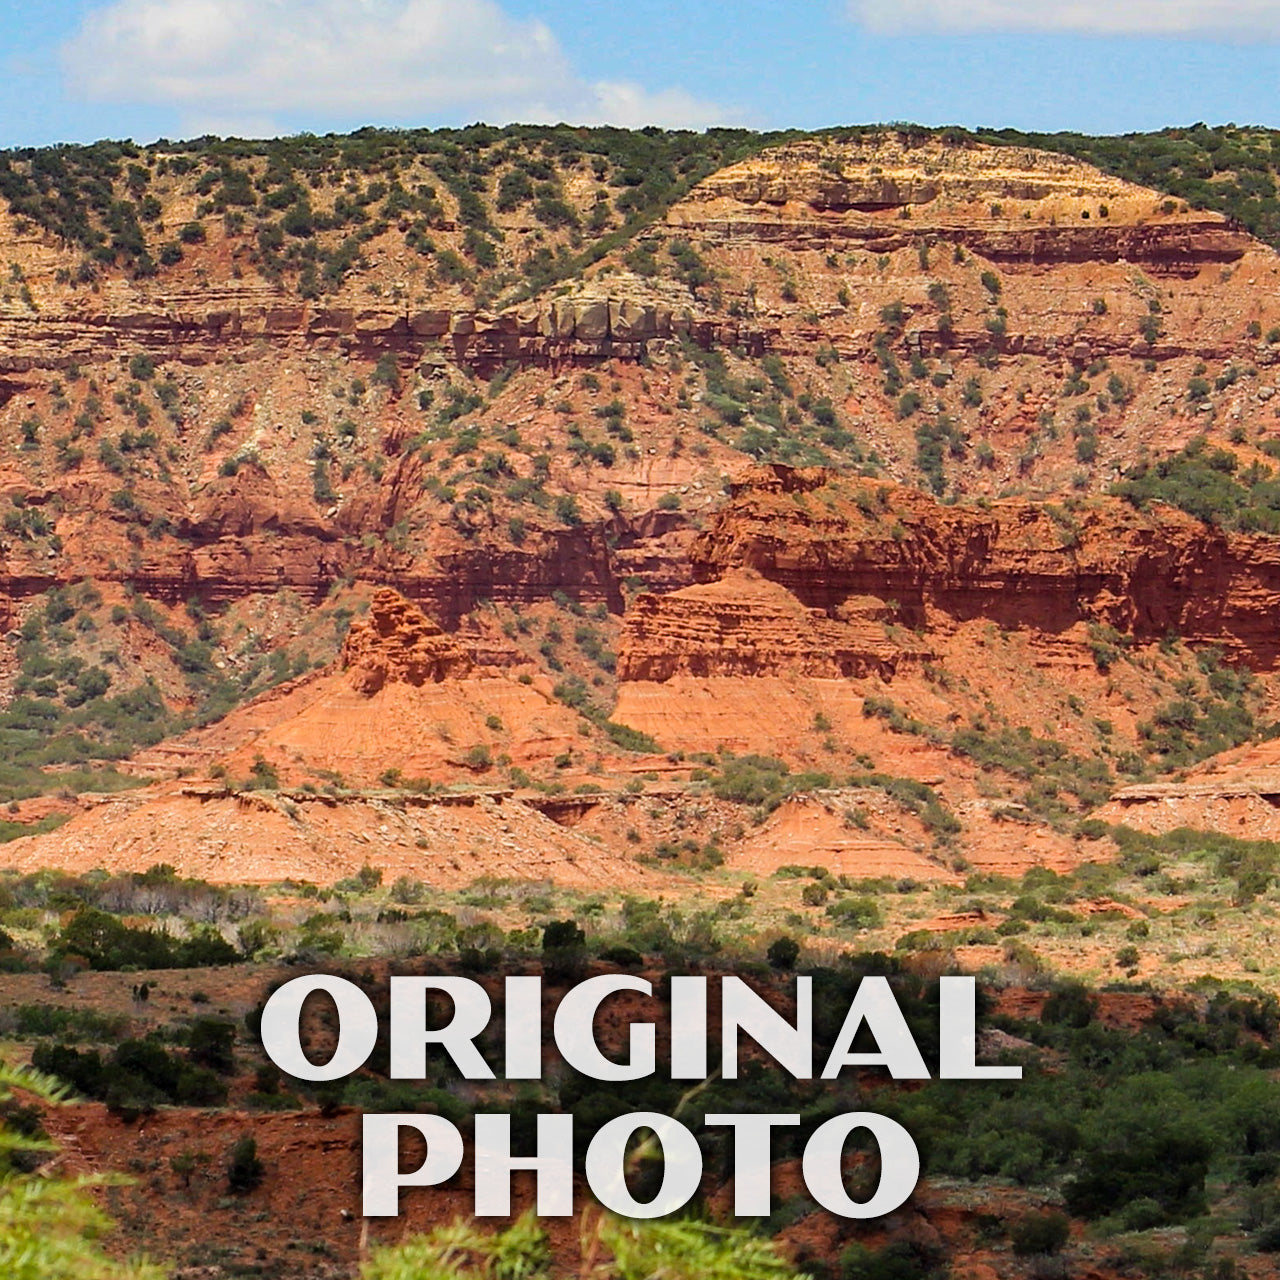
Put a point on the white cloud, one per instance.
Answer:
(1222, 19)
(237, 65)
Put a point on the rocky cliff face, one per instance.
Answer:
(1016, 209)
(250, 534)
(589, 326)
(746, 625)
(1044, 568)
(1013, 207)
(219, 473)
(397, 641)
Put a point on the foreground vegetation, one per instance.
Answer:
(48, 1227)
(51, 1228)
(1142, 1107)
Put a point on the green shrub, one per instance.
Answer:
(898, 1260)
(138, 1076)
(245, 1171)
(783, 953)
(856, 913)
(1208, 483)
(1040, 1233)
(211, 1043)
(566, 508)
(105, 942)
(1144, 1161)
(629, 739)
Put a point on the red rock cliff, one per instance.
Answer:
(398, 642)
(834, 541)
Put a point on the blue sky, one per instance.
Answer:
(76, 70)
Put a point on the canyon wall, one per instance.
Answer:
(834, 543)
